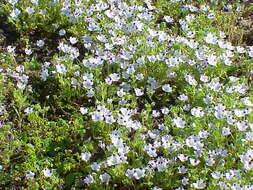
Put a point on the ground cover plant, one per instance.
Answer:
(126, 94)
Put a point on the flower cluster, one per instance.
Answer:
(113, 94)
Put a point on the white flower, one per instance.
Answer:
(62, 32)
(233, 79)
(240, 113)
(250, 52)
(194, 162)
(149, 4)
(179, 122)
(28, 51)
(249, 136)
(47, 172)
(20, 68)
(86, 156)
(211, 15)
(124, 117)
(150, 150)
(165, 110)
(155, 113)
(216, 174)
(187, 107)
(88, 179)
(15, 13)
(208, 99)
(28, 110)
(210, 161)
(40, 43)
(35, 2)
(185, 181)
(121, 93)
(226, 131)
(191, 80)
(139, 76)
(83, 110)
(109, 101)
(11, 49)
(204, 78)
(200, 184)
(222, 35)
(136, 173)
(74, 82)
(105, 178)
(195, 142)
(108, 80)
(30, 175)
(210, 39)
(13, 2)
(183, 97)
(240, 49)
(162, 164)
(241, 125)
(167, 88)
(73, 40)
(114, 77)
(138, 92)
(157, 188)
(168, 19)
(197, 112)
(203, 134)
(61, 68)
(21, 85)
(30, 10)
(44, 74)
(95, 166)
(247, 159)
(191, 34)
(116, 159)
(212, 60)
(182, 169)
(88, 80)
(182, 157)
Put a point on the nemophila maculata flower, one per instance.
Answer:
(15, 13)
(83, 110)
(156, 188)
(40, 43)
(28, 110)
(88, 179)
(47, 172)
(105, 178)
(30, 10)
(61, 68)
(86, 156)
(179, 122)
(35, 2)
(199, 184)
(30, 175)
(136, 173)
(2, 109)
(13, 2)
(62, 32)
(28, 51)
(73, 40)
(11, 49)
